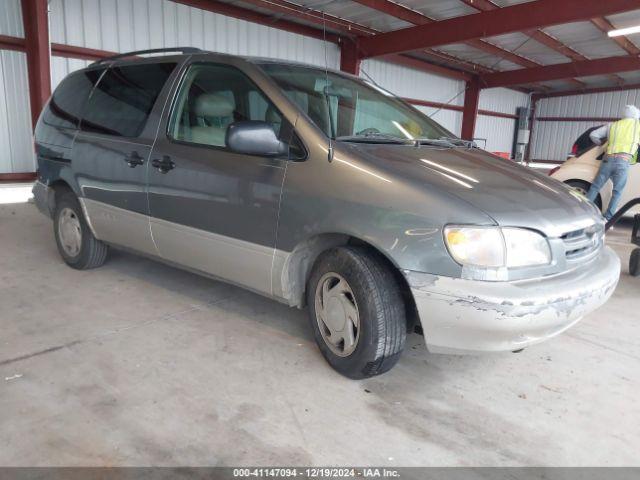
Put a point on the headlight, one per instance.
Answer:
(525, 248)
(495, 247)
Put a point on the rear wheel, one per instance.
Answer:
(583, 187)
(76, 244)
(356, 312)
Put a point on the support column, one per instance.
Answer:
(527, 152)
(349, 57)
(470, 112)
(35, 17)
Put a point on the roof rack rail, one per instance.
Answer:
(153, 50)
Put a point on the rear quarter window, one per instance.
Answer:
(65, 107)
(121, 103)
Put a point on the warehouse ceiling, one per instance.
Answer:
(570, 46)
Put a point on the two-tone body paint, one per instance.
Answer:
(261, 222)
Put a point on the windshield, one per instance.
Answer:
(348, 109)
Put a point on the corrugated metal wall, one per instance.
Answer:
(552, 140)
(498, 132)
(126, 25)
(11, 18)
(16, 145)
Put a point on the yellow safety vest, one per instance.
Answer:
(624, 137)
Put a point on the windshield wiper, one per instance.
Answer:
(439, 142)
(460, 142)
(373, 137)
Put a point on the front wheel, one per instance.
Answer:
(356, 312)
(76, 244)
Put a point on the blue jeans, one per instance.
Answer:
(616, 169)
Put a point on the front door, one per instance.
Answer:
(111, 151)
(211, 209)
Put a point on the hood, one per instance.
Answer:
(510, 194)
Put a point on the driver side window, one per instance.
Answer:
(211, 98)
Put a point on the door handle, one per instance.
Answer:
(134, 159)
(163, 165)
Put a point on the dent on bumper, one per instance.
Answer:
(465, 316)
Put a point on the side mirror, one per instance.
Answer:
(254, 137)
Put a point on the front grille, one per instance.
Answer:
(583, 244)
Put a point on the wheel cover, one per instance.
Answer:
(337, 314)
(69, 232)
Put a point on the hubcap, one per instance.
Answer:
(337, 314)
(69, 232)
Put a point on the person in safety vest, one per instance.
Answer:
(624, 139)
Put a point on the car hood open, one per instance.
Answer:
(509, 193)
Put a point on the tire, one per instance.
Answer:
(69, 223)
(634, 263)
(371, 289)
(583, 187)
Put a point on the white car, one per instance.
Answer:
(581, 167)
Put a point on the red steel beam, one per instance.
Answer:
(585, 68)
(35, 17)
(82, 53)
(12, 43)
(349, 58)
(412, 16)
(605, 26)
(578, 119)
(555, 44)
(469, 67)
(516, 18)
(457, 108)
(538, 35)
(234, 11)
(470, 112)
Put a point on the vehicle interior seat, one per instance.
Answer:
(214, 113)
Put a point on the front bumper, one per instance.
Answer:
(467, 316)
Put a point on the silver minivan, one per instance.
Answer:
(317, 189)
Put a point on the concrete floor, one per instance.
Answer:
(137, 363)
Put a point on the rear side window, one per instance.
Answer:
(122, 101)
(65, 108)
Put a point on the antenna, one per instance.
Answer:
(326, 96)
